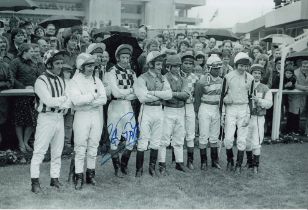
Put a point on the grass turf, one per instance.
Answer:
(281, 183)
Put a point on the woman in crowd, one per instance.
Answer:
(17, 38)
(262, 59)
(25, 72)
(39, 32)
(6, 82)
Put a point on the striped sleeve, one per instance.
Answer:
(45, 97)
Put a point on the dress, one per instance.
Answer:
(6, 82)
(25, 74)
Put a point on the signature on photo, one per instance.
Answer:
(129, 132)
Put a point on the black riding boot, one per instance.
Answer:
(124, 161)
(54, 182)
(162, 168)
(214, 157)
(180, 166)
(230, 164)
(35, 185)
(190, 158)
(153, 159)
(256, 160)
(249, 159)
(116, 165)
(139, 163)
(79, 181)
(239, 161)
(203, 157)
(90, 175)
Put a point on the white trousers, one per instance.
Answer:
(173, 127)
(49, 130)
(190, 124)
(235, 116)
(151, 124)
(121, 122)
(255, 134)
(209, 125)
(87, 133)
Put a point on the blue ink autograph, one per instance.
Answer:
(130, 133)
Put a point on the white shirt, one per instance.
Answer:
(86, 93)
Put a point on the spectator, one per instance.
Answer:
(39, 32)
(84, 41)
(71, 48)
(171, 46)
(227, 45)
(298, 102)
(275, 80)
(183, 46)
(37, 59)
(142, 34)
(43, 46)
(255, 43)
(6, 82)
(98, 36)
(195, 35)
(52, 41)
(255, 52)
(273, 83)
(25, 74)
(4, 47)
(166, 35)
(17, 38)
(160, 40)
(202, 39)
(200, 61)
(50, 30)
(289, 84)
(179, 38)
(267, 74)
(226, 68)
(212, 43)
(152, 45)
(13, 23)
(198, 46)
(28, 27)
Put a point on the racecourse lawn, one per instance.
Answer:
(282, 183)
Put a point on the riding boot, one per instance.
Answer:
(256, 160)
(35, 185)
(54, 182)
(90, 174)
(214, 157)
(116, 166)
(153, 159)
(139, 163)
(124, 161)
(162, 168)
(79, 181)
(239, 161)
(203, 157)
(190, 158)
(180, 167)
(249, 159)
(230, 164)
